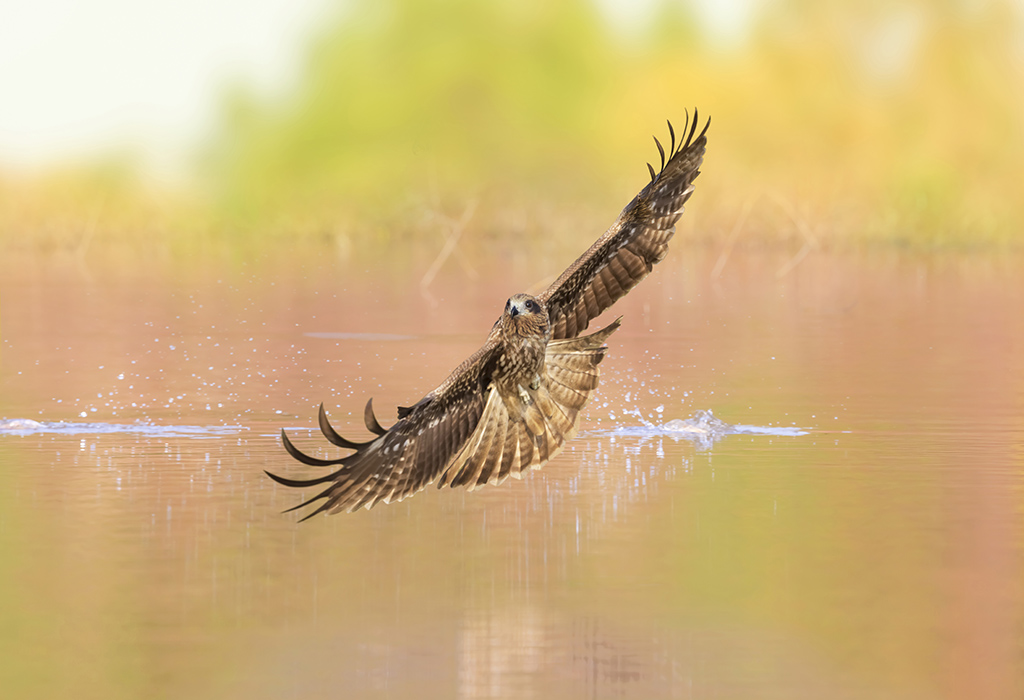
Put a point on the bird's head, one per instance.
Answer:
(525, 315)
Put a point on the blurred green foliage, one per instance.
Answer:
(428, 93)
(900, 122)
(897, 120)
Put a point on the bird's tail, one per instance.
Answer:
(505, 445)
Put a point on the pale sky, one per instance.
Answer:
(85, 77)
(81, 77)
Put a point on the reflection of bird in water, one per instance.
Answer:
(512, 405)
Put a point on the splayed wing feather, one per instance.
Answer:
(372, 424)
(331, 434)
(304, 458)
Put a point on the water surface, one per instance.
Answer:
(859, 535)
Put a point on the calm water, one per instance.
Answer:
(868, 546)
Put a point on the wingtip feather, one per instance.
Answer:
(372, 424)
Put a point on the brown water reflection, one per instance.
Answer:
(877, 556)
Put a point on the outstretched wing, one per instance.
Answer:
(465, 431)
(637, 240)
(401, 460)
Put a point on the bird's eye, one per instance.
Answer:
(532, 305)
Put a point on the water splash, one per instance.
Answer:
(26, 426)
(704, 429)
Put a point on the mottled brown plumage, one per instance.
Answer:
(513, 404)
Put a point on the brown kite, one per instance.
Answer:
(513, 404)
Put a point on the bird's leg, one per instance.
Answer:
(525, 395)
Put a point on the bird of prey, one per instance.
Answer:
(513, 404)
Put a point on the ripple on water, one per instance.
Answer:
(26, 426)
